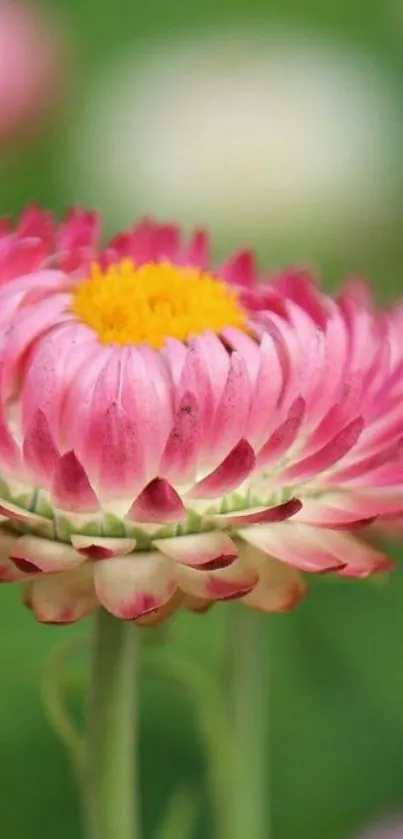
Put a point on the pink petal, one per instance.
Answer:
(334, 513)
(240, 270)
(292, 544)
(181, 452)
(94, 547)
(198, 249)
(158, 502)
(30, 325)
(326, 457)
(217, 363)
(247, 348)
(267, 391)
(232, 412)
(204, 551)
(258, 515)
(299, 286)
(10, 456)
(195, 379)
(71, 489)
(122, 468)
(283, 437)
(229, 474)
(130, 587)
(39, 450)
(38, 224)
(20, 257)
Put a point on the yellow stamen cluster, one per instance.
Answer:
(126, 304)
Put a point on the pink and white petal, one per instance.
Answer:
(28, 327)
(204, 551)
(359, 558)
(232, 413)
(229, 475)
(44, 554)
(293, 544)
(9, 573)
(39, 449)
(300, 287)
(101, 547)
(55, 363)
(19, 514)
(284, 436)
(266, 393)
(257, 515)
(247, 348)
(230, 583)
(122, 468)
(280, 586)
(174, 354)
(10, 455)
(71, 489)
(131, 587)
(181, 453)
(217, 361)
(326, 457)
(334, 512)
(63, 598)
(195, 379)
(158, 502)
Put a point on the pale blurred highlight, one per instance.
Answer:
(245, 130)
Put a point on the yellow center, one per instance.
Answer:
(135, 305)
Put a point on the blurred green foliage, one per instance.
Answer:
(336, 664)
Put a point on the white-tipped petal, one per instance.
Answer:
(131, 587)
(95, 547)
(280, 586)
(229, 583)
(63, 598)
(207, 551)
(45, 555)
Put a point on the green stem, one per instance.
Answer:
(110, 796)
(249, 705)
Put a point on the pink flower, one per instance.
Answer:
(31, 55)
(173, 434)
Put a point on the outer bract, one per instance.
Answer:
(174, 434)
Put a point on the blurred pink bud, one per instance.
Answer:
(391, 829)
(31, 67)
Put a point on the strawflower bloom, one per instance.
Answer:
(173, 433)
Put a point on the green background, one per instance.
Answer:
(336, 663)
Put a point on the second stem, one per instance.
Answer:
(249, 707)
(110, 782)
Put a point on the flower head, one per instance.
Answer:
(173, 433)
